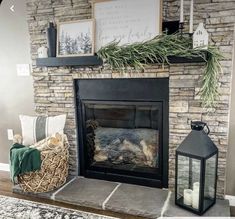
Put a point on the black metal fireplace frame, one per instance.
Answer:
(148, 90)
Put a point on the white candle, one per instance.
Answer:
(195, 198)
(188, 197)
(211, 192)
(196, 185)
(191, 18)
(181, 11)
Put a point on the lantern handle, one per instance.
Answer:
(199, 126)
(208, 130)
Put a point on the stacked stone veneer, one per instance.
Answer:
(53, 87)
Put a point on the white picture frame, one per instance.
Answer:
(76, 38)
(126, 21)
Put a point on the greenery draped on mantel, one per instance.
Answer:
(157, 50)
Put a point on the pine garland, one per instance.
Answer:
(209, 87)
(157, 50)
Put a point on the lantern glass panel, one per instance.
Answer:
(210, 180)
(188, 178)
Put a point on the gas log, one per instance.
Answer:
(126, 146)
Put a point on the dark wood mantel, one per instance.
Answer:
(83, 61)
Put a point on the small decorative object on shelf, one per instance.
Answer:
(181, 28)
(200, 37)
(181, 24)
(196, 170)
(51, 40)
(170, 27)
(42, 52)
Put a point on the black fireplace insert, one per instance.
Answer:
(122, 127)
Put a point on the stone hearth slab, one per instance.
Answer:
(137, 200)
(220, 209)
(123, 198)
(86, 192)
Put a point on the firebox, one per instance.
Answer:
(122, 129)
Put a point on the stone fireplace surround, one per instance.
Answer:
(53, 87)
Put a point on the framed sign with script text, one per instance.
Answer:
(126, 21)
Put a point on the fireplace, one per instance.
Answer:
(122, 127)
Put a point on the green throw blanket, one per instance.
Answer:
(23, 160)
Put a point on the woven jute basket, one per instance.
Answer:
(54, 168)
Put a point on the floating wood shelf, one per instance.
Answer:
(95, 61)
(81, 61)
(177, 59)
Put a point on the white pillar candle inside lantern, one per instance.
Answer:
(195, 198)
(196, 185)
(211, 192)
(188, 197)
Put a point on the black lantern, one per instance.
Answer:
(196, 170)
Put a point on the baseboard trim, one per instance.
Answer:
(4, 167)
(231, 199)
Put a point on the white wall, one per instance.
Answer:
(16, 93)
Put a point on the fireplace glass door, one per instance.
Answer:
(123, 137)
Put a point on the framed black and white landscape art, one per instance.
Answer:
(75, 38)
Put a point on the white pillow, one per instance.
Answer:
(36, 128)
